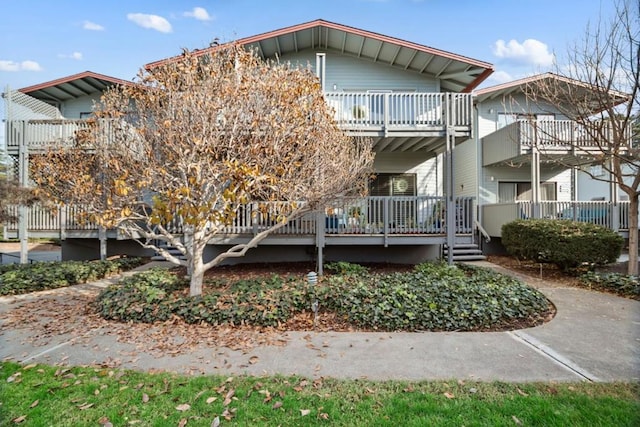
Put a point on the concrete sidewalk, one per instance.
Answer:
(594, 337)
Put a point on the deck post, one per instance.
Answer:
(614, 206)
(23, 212)
(320, 225)
(102, 235)
(449, 179)
(535, 174)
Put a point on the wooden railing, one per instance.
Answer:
(604, 213)
(555, 133)
(400, 109)
(423, 215)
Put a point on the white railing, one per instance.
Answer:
(603, 213)
(556, 133)
(422, 215)
(400, 109)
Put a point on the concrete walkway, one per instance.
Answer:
(594, 337)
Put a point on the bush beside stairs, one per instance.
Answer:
(465, 252)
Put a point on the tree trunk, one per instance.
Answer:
(633, 234)
(197, 274)
(195, 247)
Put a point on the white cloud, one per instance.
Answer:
(530, 51)
(500, 77)
(19, 66)
(92, 26)
(153, 22)
(75, 55)
(199, 13)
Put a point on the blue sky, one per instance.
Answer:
(45, 39)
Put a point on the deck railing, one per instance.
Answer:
(416, 215)
(555, 133)
(604, 213)
(400, 109)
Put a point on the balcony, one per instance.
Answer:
(607, 214)
(382, 114)
(367, 221)
(559, 138)
(398, 121)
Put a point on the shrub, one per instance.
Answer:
(432, 297)
(347, 268)
(620, 284)
(24, 278)
(143, 297)
(451, 299)
(567, 244)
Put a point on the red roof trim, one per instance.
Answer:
(351, 30)
(73, 77)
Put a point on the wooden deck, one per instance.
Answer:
(365, 221)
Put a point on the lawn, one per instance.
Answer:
(39, 395)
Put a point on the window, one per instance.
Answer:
(509, 192)
(402, 211)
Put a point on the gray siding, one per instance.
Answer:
(493, 175)
(354, 74)
(71, 109)
(428, 170)
(465, 169)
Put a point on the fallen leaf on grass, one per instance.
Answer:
(277, 405)
(521, 393)
(32, 365)
(20, 419)
(14, 377)
(183, 407)
(449, 395)
(182, 423)
(34, 404)
(215, 422)
(516, 420)
(323, 416)
(104, 422)
(85, 406)
(211, 400)
(305, 412)
(228, 397)
(145, 397)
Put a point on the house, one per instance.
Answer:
(528, 161)
(451, 165)
(414, 101)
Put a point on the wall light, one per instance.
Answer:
(335, 86)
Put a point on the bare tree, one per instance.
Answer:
(599, 91)
(11, 193)
(198, 143)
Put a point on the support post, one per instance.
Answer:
(102, 236)
(23, 176)
(535, 173)
(614, 206)
(320, 226)
(449, 180)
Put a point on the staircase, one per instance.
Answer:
(172, 250)
(465, 252)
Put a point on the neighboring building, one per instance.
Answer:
(414, 101)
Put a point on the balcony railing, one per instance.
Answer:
(398, 110)
(418, 215)
(604, 213)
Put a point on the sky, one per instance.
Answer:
(42, 40)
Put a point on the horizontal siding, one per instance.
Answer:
(350, 73)
(71, 109)
(428, 170)
(465, 173)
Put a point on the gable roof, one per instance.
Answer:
(520, 85)
(456, 72)
(73, 86)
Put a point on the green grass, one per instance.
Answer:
(53, 396)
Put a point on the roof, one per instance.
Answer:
(71, 87)
(457, 73)
(519, 86)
